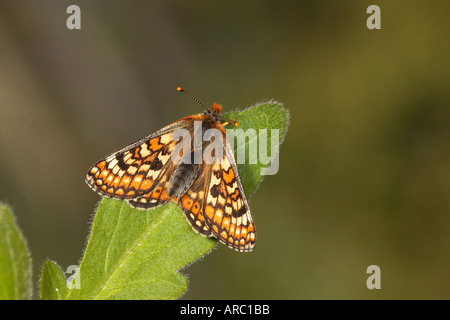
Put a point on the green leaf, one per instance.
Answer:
(53, 282)
(15, 262)
(270, 116)
(136, 254)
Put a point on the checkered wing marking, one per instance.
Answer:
(192, 203)
(135, 170)
(226, 211)
(158, 195)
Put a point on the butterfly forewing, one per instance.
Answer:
(226, 208)
(135, 170)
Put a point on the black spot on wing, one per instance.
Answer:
(121, 163)
(156, 164)
(215, 190)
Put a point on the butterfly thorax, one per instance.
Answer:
(185, 173)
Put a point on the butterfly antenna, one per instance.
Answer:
(192, 97)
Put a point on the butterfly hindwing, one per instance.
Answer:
(192, 203)
(158, 195)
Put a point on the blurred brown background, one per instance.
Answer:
(364, 171)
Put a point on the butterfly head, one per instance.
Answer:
(214, 112)
(216, 108)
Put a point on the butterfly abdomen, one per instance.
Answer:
(181, 180)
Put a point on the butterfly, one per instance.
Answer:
(164, 166)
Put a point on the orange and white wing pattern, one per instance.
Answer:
(210, 195)
(226, 209)
(138, 171)
(158, 195)
(192, 203)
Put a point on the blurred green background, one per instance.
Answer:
(364, 171)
